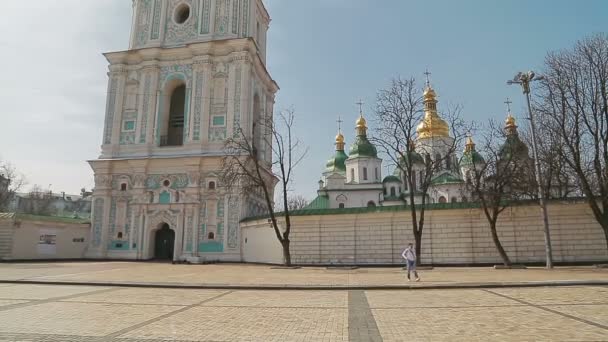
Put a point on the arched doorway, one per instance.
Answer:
(164, 239)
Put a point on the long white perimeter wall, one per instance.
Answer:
(451, 236)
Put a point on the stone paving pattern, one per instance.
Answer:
(125, 314)
(239, 274)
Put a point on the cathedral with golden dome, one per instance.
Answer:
(355, 179)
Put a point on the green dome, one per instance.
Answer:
(416, 158)
(391, 178)
(336, 164)
(471, 158)
(362, 148)
(514, 148)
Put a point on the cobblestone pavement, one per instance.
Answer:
(239, 274)
(82, 313)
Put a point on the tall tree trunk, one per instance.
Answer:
(418, 237)
(501, 251)
(286, 252)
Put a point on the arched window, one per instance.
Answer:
(210, 236)
(442, 200)
(119, 235)
(341, 205)
(448, 162)
(364, 173)
(211, 185)
(173, 128)
(371, 204)
(376, 173)
(421, 173)
(352, 175)
(393, 194)
(123, 187)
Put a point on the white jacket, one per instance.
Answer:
(409, 254)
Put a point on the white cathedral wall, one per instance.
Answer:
(451, 236)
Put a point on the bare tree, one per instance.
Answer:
(11, 182)
(573, 97)
(558, 178)
(500, 175)
(245, 168)
(38, 201)
(297, 202)
(400, 108)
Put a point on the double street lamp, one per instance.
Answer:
(524, 79)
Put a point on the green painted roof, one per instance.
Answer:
(362, 148)
(391, 178)
(336, 164)
(321, 202)
(446, 178)
(471, 158)
(393, 208)
(45, 218)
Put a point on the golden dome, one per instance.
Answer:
(339, 138)
(432, 126)
(470, 145)
(429, 93)
(361, 123)
(510, 121)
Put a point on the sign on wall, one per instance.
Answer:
(47, 244)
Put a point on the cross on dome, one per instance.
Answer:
(360, 103)
(508, 103)
(428, 80)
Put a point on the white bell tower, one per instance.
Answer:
(194, 73)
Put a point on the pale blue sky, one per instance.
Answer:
(324, 54)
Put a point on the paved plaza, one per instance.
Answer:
(62, 312)
(166, 274)
(93, 313)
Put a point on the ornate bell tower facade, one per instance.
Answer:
(194, 73)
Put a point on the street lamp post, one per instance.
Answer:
(524, 80)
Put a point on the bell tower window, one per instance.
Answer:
(174, 123)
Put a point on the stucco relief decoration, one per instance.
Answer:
(128, 138)
(143, 22)
(222, 12)
(237, 101)
(219, 101)
(179, 71)
(206, 16)
(156, 20)
(139, 180)
(194, 178)
(112, 216)
(146, 108)
(198, 106)
(103, 181)
(135, 229)
(236, 6)
(245, 20)
(119, 179)
(128, 220)
(181, 33)
(97, 221)
(202, 221)
(189, 227)
(109, 122)
(163, 216)
(233, 221)
(177, 181)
